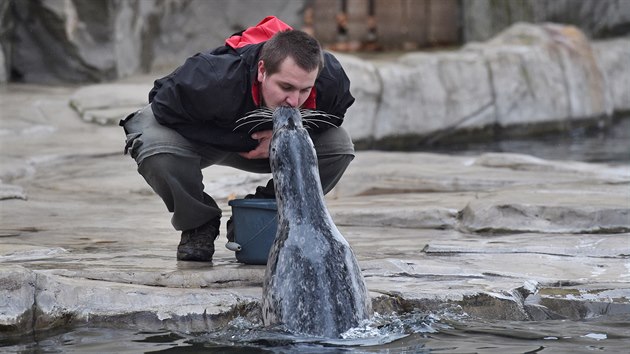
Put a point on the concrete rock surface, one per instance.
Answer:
(498, 236)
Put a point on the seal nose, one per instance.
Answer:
(286, 116)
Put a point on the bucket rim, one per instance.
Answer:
(269, 204)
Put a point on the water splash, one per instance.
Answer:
(392, 325)
(376, 331)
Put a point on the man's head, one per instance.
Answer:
(288, 66)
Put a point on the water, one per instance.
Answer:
(609, 144)
(409, 333)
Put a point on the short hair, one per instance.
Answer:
(303, 48)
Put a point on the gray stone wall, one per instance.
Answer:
(79, 41)
(526, 79)
(6, 25)
(483, 19)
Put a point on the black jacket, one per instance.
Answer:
(203, 98)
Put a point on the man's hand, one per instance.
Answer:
(262, 150)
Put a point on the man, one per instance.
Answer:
(191, 119)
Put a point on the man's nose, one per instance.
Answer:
(292, 99)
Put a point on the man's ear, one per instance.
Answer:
(261, 70)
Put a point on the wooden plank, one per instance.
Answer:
(324, 24)
(444, 25)
(401, 24)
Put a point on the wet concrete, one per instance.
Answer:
(497, 236)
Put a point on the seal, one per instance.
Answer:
(313, 283)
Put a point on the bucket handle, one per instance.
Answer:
(233, 246)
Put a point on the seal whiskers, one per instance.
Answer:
(313, 283)
(262, 119)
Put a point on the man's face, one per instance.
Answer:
(290, 86)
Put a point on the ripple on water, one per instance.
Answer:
(407, 333)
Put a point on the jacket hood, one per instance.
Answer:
(264, 30)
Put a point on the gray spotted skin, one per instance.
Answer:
(313, 284)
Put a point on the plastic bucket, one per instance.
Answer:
(255, 225)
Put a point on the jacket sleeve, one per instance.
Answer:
(192, 101)
(204, 89)
(185, 93)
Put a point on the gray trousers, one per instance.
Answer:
(172, 164)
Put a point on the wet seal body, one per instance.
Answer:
(313, 284)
